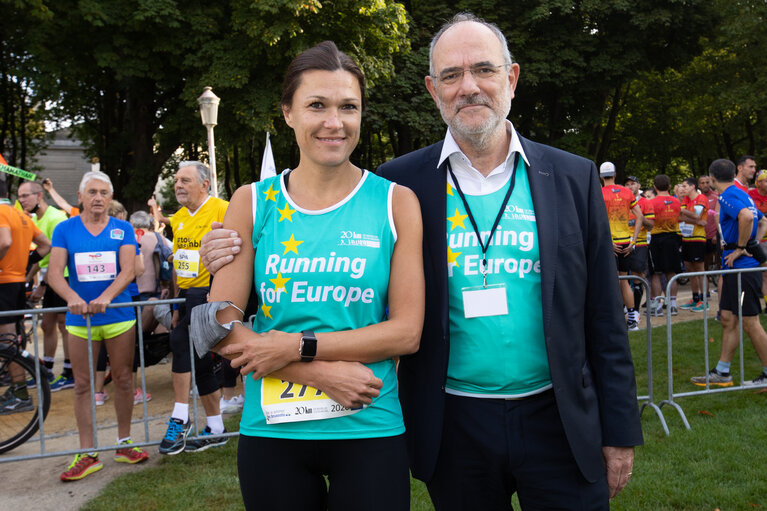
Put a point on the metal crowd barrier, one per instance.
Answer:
(669, 343)
(649, 399)
(41, 437)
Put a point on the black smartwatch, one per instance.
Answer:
(308, 348)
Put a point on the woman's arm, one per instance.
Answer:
(127, 257)
(398, 335)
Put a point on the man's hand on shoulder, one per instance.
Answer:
(218, 247)
(619, 462)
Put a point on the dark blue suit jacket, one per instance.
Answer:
(586, 338)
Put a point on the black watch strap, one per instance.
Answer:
(308, 348)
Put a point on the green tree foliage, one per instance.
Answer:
(713, 106)
(128, 72)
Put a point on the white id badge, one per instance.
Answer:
(479, 302)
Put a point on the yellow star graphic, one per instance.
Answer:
(449, 190)
(279, 282)
(271, 194)
(291, 245)
(457, 219)
(265, 309)
(452, 257)
(286, 212)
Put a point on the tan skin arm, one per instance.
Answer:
(140, 268)
(43, 244)
(277, 353)
(57, 198)
(5, 241)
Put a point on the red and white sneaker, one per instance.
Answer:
(130, 454)
(139, 397)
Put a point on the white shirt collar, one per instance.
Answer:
(472, 181)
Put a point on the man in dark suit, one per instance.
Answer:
(524, 380)
(540, 400)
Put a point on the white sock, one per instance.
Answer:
(216, 424)
(121, 440)
(181, 412)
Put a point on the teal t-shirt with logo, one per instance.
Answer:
(324, 271)
(502, 355)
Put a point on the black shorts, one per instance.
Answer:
(693, 252)
(751, 287)
(12, 298)
(623, 261)
(639, 259)
(712, 246)
(51, 299)
(664, 253)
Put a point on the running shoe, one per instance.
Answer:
(83, 465)
(62, 382)
(631, 324)
(688, 305)
(674, 310)
(205, 441)
(130, 454)
(233, 405)
(175, 437)
(139, 397)
(759, 380)
(13, 404)
(656, 307)
(101, 397)
(714, 378)
(32, 383)
(700, 307)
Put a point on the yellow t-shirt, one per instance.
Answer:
(188, 230)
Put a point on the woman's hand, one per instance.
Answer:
(77, 306)
(98, 305)
(350, 384)
(263, 354)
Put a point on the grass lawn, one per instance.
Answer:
(719, 463)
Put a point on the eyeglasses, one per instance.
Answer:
(453, 75)
(25, 195)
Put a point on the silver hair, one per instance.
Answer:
(98, 175)
(203, 172)
(463, 17)
(141, 220)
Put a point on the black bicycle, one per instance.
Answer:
(19, 404)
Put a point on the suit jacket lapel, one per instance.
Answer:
(544, 194)
(434, 207)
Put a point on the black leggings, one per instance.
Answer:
(179, 343)
(368, 473)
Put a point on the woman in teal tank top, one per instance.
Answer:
(333, 247)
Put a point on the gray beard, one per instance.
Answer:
(479, 137)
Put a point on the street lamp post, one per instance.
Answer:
(209, 112)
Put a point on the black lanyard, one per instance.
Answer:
(485, 246)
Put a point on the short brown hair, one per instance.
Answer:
(324, 57)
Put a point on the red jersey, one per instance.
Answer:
(740, 185)
(666, 210)
(695, 232)
(713, 199)
(648, 212)
(619, 201)
(760, 201)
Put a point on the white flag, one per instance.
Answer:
(268, 169)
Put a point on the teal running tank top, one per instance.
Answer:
(325, 270)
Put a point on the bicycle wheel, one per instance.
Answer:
(19, 421)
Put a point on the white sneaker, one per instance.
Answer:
(233, 405)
